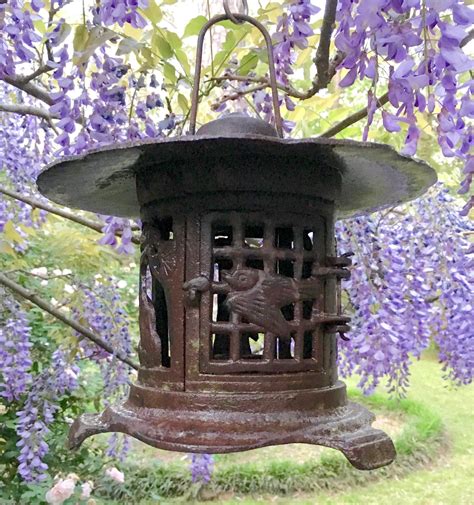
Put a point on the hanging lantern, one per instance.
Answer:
(239, 279)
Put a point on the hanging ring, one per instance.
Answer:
(231, 16)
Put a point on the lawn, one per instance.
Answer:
(447, 481)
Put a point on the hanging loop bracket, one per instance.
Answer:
(242, 18)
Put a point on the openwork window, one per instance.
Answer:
(266, 301)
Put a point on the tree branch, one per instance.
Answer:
(353, 118)
(325, 68)
(238, 94)
(467, 38)
(265, 83)
(46, 306)
(21, 82)
(39, 71)
(26, 110)
(67, 214)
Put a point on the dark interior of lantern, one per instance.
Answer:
(165, 228)
(162, 326)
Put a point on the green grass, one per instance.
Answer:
(427, 470)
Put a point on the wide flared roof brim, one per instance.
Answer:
(374, 176)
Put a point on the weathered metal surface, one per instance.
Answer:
(248, 304)
(104, 181)
(230, 422)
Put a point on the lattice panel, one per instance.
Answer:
(266, 304)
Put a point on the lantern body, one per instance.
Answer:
(240, 311)
(239, 283)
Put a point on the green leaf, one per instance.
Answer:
(153, 12)
(182, 57)
(6, 248)
(128, 45)
(96, 38)
(173, 39)
(148, 57)
(64, 32)
(11, 234)
(80, 38)
(169, 73)
(248, 63)
(161, 46)
(194, 26)
(183, 103)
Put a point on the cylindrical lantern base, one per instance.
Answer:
(231, 422)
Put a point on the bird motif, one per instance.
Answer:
(258, 297)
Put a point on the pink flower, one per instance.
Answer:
(115, 475)
(86, 490)
(61, 491)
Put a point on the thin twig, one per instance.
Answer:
(35, 202)
(326, 67)
(46, 306)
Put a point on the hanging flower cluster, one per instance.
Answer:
(293, 30)
(15, 352)
(201, 467)
(105, 314)
(412, 282)
(38, 412)
(110, 12)
(419, 45)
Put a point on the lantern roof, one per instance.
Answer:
(373, 175)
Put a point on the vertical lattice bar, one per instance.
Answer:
(269, 347)
(319, 249)
(238, 241)
(298, 274)
(235, 337)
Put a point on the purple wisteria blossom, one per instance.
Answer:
(106, 315)
(38, 412)
(412, 283)
(201, 467)
(110, 12)
(421, 49)
(15, 352)
(293, 30)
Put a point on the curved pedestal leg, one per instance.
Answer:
(209, 426)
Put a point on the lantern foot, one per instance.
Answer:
(84, 427)
(230, 422)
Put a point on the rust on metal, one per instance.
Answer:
(240, 303)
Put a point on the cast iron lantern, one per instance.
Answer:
(239, 323)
